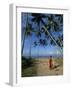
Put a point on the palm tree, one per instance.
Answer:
(27, 33)
(52, 23)
(37, 18)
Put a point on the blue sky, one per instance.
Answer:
(38, 50)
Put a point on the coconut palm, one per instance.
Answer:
(27, 33)
(54, 22)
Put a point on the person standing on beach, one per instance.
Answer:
(50, 62)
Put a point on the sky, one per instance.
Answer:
(39, 50)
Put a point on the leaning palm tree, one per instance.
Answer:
(53, 24)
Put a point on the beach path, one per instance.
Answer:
(42, 67)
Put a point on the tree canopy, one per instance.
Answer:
(47, 28)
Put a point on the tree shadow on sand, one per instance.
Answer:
(56, 66)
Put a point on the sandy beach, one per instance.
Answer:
(42, 67)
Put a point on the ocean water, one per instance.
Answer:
(47, 56)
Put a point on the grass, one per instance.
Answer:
(28, 67)
(27, 72)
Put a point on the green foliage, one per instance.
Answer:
(28, 67)
(54, 23)
(27, 62)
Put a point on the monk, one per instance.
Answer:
(50, 62)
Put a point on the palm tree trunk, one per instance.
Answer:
(24, 36)
(39, 30)
(30, 46)
(23, 43)
(52, 38)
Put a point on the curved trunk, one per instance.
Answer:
(52, 38)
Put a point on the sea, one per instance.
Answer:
(43, 56)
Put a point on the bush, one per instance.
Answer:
(26, 62)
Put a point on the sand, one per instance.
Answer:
(43, 69)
